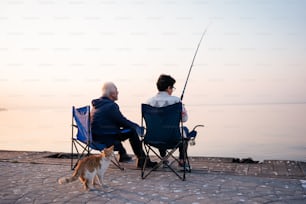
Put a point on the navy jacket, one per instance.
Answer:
(106, 118)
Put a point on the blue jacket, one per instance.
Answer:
(106, 118)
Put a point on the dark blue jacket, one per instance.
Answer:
(106, 118)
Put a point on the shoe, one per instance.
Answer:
(149, 163)
(187, 166)
(125, 158)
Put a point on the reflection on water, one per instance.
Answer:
(257, 131)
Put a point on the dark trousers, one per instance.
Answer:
(162, 152)
(116, 139)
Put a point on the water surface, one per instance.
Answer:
(260, 131)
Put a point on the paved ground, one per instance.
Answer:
(31, 177)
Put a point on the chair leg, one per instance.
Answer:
(116, 163)
(169, 154)
(74, 146)
(144, 174)
(182, 177)
(143, 169)
(84, 152)
(186, 155)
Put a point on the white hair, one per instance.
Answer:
(108, 88)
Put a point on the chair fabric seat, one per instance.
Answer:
(161, 144)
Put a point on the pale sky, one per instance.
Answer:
(58, 53)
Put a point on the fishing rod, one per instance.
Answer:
(192, 63)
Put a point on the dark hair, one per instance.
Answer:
(164, 81)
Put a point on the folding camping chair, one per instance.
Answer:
(163, 128)
(82, 142)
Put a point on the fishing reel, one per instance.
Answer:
(192, 135)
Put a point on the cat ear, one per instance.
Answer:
(111, 147)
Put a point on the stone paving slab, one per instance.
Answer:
(31, 177)
(37, 183)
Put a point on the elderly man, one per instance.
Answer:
(110, 127)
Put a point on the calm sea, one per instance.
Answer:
(259, 131)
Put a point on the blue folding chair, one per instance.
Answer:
(82, 142)
(162, 130)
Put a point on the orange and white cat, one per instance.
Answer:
(91, 169)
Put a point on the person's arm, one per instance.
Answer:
(120, 119)
(184, 114)
(184, 111)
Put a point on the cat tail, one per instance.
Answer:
(65, 180)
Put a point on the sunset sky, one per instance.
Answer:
(58, 53)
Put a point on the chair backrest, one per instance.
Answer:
(82, 118)
(81, 121)
(163, 125)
